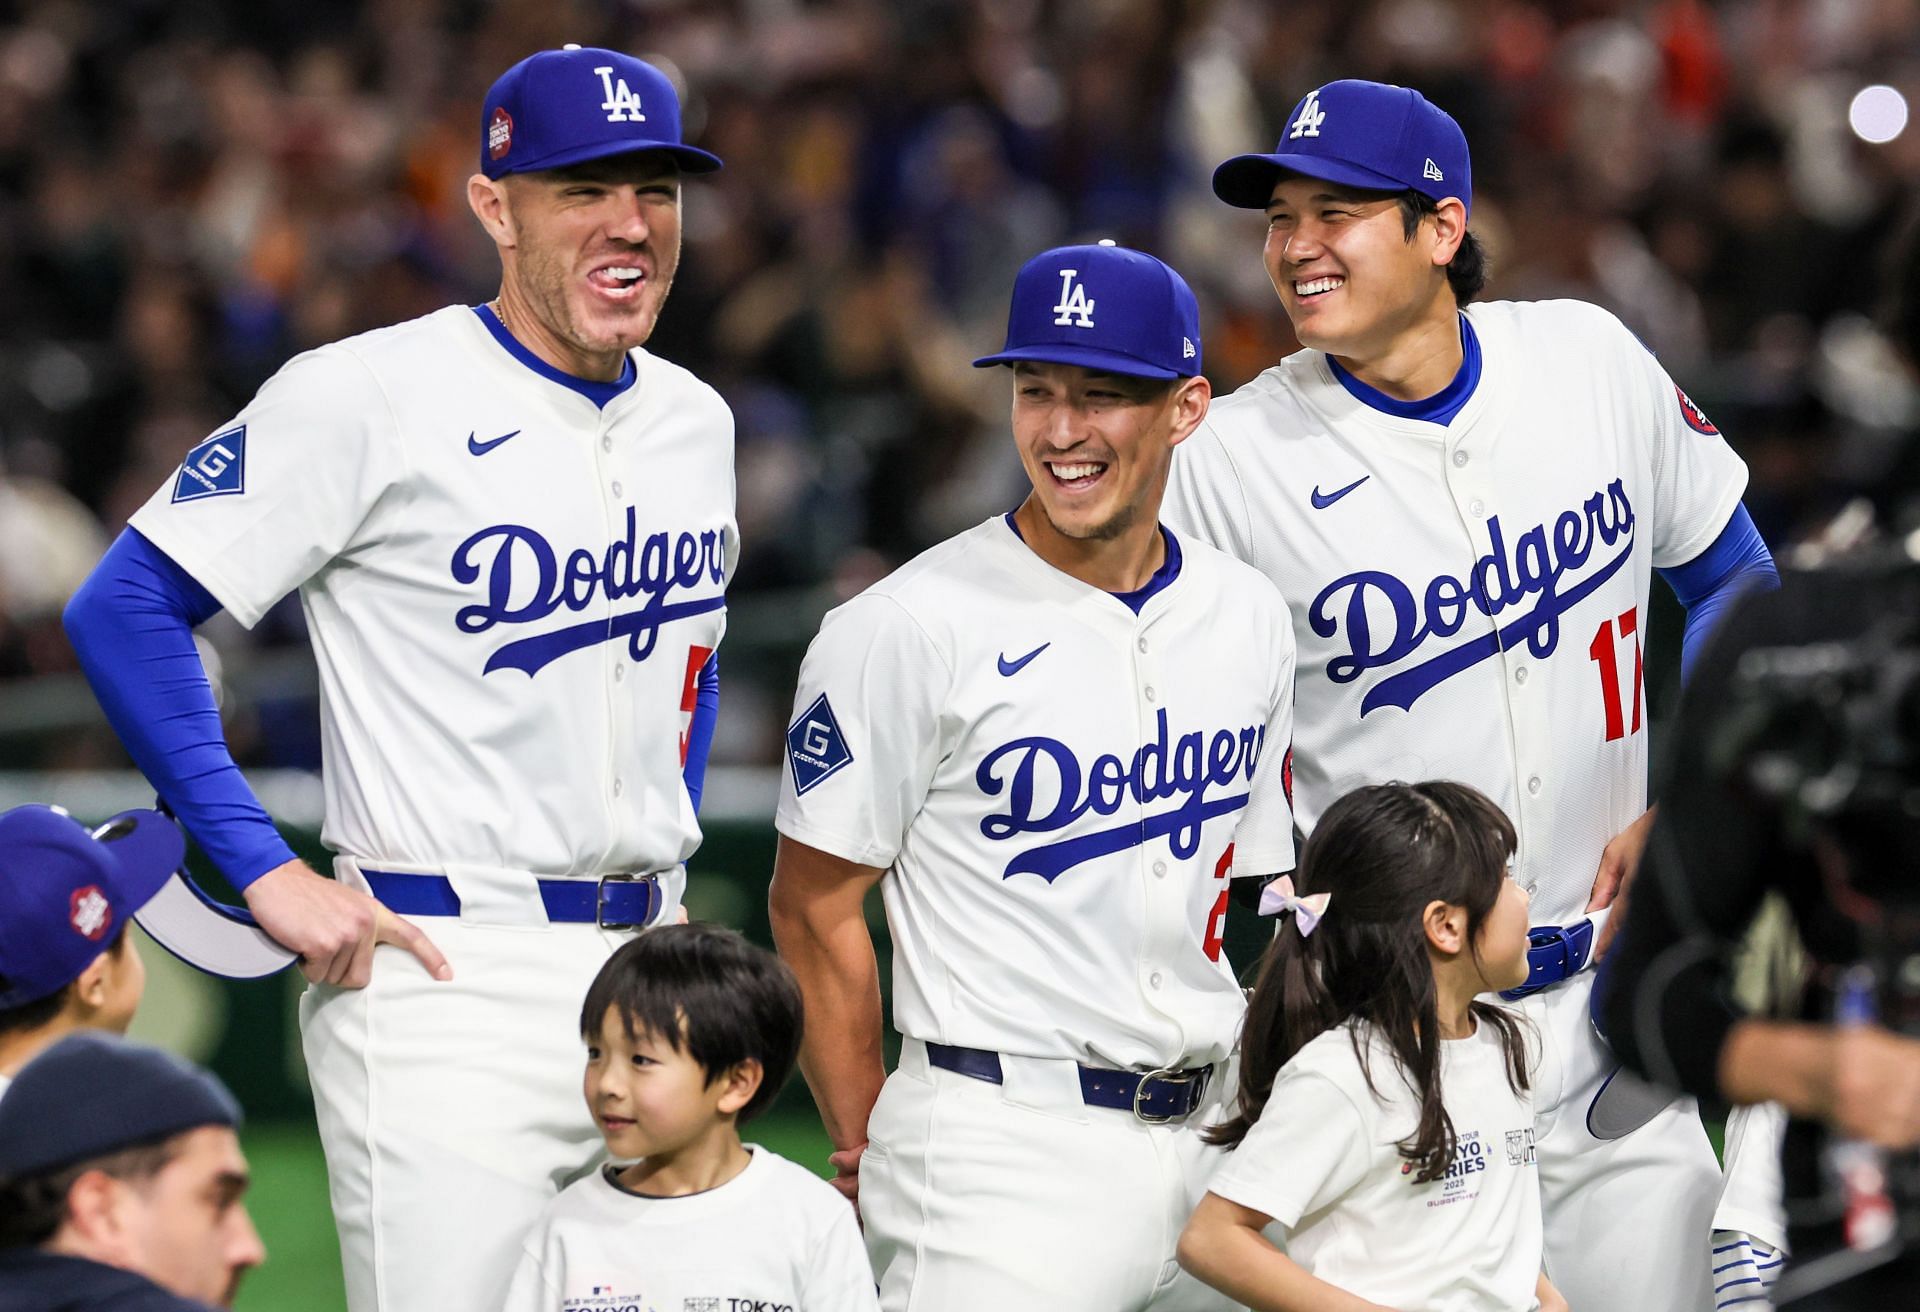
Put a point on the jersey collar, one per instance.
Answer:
(1169, 570)
(1442, 406)
(598, 393)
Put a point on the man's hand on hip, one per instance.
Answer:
(334, 928)
(1619, 862)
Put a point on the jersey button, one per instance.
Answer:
(1477, 507)
(1154, 979)
(1141, 644)
(1533, 786)
(1459, 459)
(616, 489)
(606, 443)
(1520, 675)
(1160, 869)
(617, 787)
(619, 673)
(1149, 691)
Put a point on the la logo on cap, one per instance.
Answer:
(1311, 117)
(621, 104)
(1076, 307)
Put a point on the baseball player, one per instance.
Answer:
(1052, 741)
(510, 529)
(1466, 505)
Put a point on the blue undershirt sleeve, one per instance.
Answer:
(1737, 562)
(700, 732)
(131, 623)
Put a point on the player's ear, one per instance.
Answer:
(487, 198)
(742, 1081)
(1191, 397)
(92, 985)
(1449, 220)
(1446, 927)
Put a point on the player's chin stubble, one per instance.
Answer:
(550, 287)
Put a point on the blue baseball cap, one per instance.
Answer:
(91, 1095)
(66, 891)
(1358, 134)
(578, 103)
(1102, 307)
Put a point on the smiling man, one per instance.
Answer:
(1051, 741)
(511, 529)
(1466, 504)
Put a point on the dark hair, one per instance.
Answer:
(33, 1207)
(1467, 271)
(1384, 853)
(42, 1011)
(709, 992)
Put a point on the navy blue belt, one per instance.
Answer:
(1554, 953)
(611, 901)
(1153, 1096)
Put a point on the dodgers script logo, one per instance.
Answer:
(1529, 574)
(526, 581)
(1030, 771)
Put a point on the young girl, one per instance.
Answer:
(1384, 1115)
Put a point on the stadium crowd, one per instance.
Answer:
(192, 193)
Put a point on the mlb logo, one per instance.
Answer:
(215, 468)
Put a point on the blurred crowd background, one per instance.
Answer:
(191, 191)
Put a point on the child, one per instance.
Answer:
(67, 895)
(1384, 1115)
(690, 1032)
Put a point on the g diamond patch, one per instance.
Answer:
(815, 746)
(215, 468)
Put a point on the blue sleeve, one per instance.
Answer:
(700, 732)
(1736, 563)
(132, 624)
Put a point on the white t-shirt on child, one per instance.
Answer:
(1321, 1162)
(773, 1237)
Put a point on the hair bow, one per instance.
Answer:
(1278, 898)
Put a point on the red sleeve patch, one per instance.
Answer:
(1696, 417)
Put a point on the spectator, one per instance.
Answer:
(121, 1184)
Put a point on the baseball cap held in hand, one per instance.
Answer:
(1358, 134)
(1102, 307)
(568, 106)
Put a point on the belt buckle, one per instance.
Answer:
(600, 901)
(1170, 1076)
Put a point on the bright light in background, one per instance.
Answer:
(1878, 114)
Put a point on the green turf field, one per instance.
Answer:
(289, 1203)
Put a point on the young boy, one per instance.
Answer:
(67, 894)
(690, 1032)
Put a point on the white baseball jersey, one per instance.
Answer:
(1470, 601)
(1059, 788)
(1322, 1161)
(775, 1238)
(510, 592)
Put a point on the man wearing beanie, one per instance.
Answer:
(121, 1184)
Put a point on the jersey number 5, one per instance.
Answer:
(1602, 652)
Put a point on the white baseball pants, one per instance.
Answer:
(452, 1112)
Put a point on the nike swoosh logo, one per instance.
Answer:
(1321, 500)
(481, 448)
(1011, 668)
